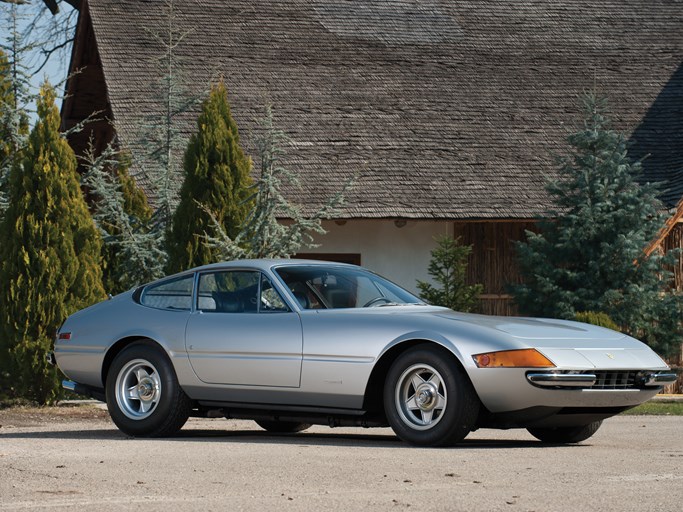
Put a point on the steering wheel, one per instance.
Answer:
(377, 301)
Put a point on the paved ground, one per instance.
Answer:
(78, 461)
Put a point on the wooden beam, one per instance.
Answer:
(664, 232)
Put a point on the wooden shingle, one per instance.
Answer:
(447, 110)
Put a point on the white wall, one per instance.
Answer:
(399, 254)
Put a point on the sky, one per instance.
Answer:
(56, 68)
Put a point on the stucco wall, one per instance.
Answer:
(399, 254)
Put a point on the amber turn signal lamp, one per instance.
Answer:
(525, 358)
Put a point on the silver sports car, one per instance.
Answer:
(290, 343)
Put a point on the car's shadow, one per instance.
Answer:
(258, 437)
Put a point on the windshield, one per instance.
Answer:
(322, 287)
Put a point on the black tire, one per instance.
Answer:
(565, 435)
(282, 427)
(160, 407)
(441, 410)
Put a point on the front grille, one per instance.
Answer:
(614, 379)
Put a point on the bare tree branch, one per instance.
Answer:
(48, 53)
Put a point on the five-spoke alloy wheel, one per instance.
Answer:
(428, 399)
(138, 389)
(421, 397)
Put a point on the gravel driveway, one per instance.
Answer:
(77, 460)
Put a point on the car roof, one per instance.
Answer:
(263, 264)
(267, 263)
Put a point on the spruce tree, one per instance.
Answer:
(50, 253)
(589, 254)
(448, 268)
(216, 177)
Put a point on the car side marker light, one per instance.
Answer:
(524, 358)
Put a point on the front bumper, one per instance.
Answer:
(510, 389)
(601, 380)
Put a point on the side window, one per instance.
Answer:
(233, 291)
(271, 300)
(237, 291)
(175, 294)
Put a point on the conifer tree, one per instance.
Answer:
(131, 254)
(262, 235)
(448, 268)
(589, 255)
(49, 255)
(15, 95)
(160, 135)
(217, 177)
(159, 141)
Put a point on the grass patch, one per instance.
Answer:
(657, 409)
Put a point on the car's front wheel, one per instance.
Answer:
(565, 435)
(143, 395)
(428, 399)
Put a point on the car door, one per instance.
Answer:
(242, 332)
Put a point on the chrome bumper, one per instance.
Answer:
(660, 379)
(586, 380)
(581, 380)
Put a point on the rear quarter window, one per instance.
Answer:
(175, 294)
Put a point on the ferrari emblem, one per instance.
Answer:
(609, 355)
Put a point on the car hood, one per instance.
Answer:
(566, 343)
(536, 329)
(536, 332)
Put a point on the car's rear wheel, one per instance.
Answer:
(143, 395)
(428, 399)
(282, 427)
(562, 435)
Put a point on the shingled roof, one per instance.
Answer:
(448, 110)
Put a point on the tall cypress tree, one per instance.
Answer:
(590, 255)
(216, 177)
(13, 139)
(50, 253)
